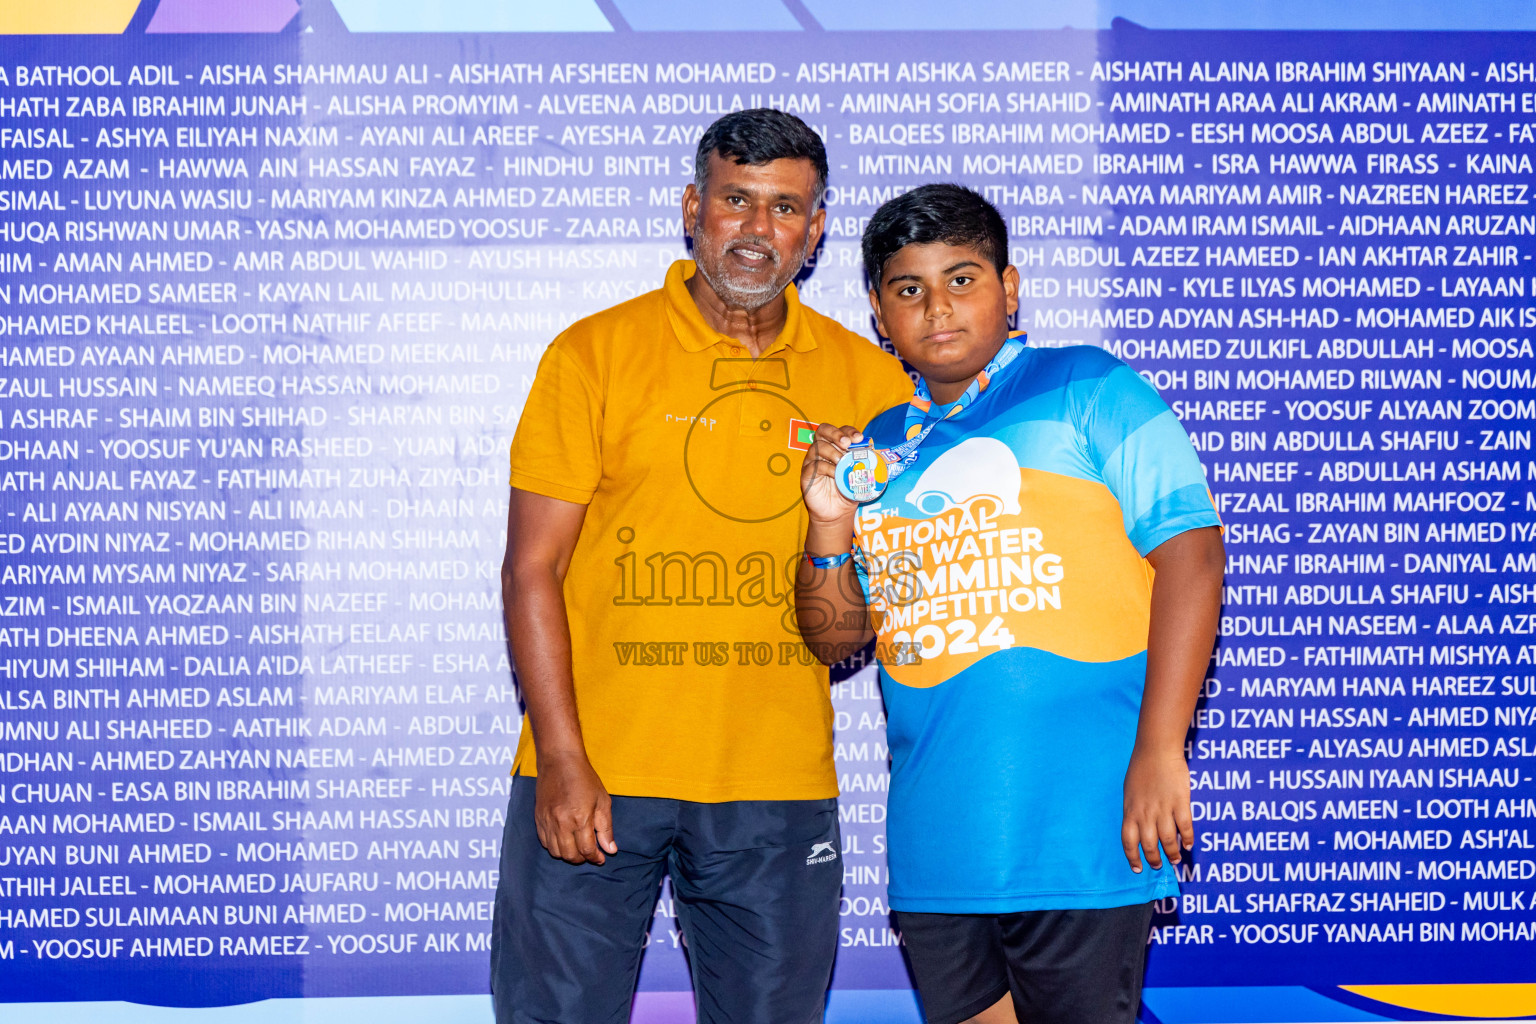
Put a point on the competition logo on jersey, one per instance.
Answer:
(979, 467)
(959, 564)
(980, 556)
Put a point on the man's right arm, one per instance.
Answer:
(572, 810)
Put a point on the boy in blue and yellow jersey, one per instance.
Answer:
(1037, 552)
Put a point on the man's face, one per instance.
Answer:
(752, 227)
(946, 309)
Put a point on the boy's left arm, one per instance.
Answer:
(1186, 603)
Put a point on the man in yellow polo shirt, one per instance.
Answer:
(676, 725)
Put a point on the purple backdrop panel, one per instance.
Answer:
(219, 16)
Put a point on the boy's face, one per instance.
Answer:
(946, 310)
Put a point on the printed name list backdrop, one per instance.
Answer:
(272, 302)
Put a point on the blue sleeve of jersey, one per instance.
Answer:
(1141, 450)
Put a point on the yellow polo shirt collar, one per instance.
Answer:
(695, 335)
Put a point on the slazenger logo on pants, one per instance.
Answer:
(821, 853)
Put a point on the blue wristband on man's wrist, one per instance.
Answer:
(829, 561)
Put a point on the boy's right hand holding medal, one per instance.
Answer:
(818, 483)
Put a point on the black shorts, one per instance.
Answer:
(1062, 966)
(755, 883)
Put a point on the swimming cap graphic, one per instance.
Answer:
(975, 467)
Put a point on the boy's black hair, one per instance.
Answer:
(760, 136)
(947, 214)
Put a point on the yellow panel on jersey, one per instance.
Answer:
(691, 680)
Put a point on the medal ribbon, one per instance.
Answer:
(903, 455)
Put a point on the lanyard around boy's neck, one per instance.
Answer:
(864, 471)
(921, 405)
